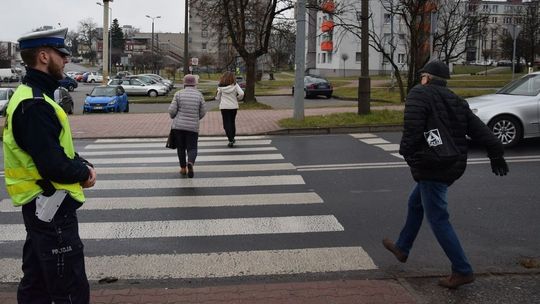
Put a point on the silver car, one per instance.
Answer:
(5, 95)
(134, 86)
(513, 113)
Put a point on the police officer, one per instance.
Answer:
(45, 176)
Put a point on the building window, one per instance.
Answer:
(401, 58)
(387, 18)
(485, 7)
(358, 57)
(329, 57)
(358, 16)
(495, 9)
(204, 46)
(204, 34)
(493, 19)
(319, 58)
(323, 59)
(401, 37)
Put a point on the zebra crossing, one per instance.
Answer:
(372, 139)
(247, 212)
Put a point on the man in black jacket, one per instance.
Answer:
(432, 97)
(45, 176)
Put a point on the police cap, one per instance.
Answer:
(54, 38)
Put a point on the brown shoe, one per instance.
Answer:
(400, 256)
(455, 280)
(183, 171)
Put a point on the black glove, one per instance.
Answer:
(499, 166)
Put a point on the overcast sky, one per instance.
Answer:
(22, 16)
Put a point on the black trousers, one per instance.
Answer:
(53, 258)
(186, 141)
(229, 118)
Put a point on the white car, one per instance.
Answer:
(5, 95)
(134, 86)
(94, 77)
(513, 113)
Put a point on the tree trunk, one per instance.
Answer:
(249, 94)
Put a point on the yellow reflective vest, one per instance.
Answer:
(21, 173)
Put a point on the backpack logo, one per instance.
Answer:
(433, 138)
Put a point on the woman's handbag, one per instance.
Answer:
(440, 151)
(171, 140)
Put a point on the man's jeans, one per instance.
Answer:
(431, 197)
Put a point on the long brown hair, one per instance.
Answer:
(227, 79)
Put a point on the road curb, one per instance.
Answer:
(338, 130)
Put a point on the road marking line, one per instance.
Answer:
(174, 159)
(201, 168)
(388, 147)
(243, 181)
(162, 145)
(163, 139)
(191, 228)
(363, 135)
(373, 141)
(171, 151)
(216, 264)
(199, 201)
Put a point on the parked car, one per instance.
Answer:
(69, 83)
(134, 86)
(149, 80)
(78, 76)
(106, 99)
(62, 97)
(5, 95)
(94, 77)
(166, 81)
(241, 82)
(512, 113)
(316, 85)
(9, 75)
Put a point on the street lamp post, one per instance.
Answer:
(110, 39)
(153, 59)
(106, 41)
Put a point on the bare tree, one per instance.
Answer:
(87, 35)
(72, 40)
(248, 25)
(206, 60)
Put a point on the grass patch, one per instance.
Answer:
(254, 106)
(344, 120)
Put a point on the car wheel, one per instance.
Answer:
(152, 93)
(507, 129)
(71, 88)
(6, 79)
(92, 81)
(126, 110)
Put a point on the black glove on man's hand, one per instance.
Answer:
(499, 166)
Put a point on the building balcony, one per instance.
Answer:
(328, 7)
(327, 46)
(327, 26)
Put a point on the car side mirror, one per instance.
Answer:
(87, 94)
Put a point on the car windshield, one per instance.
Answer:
(528, 85)
(315, 80)
(103, 91)
(3, 95)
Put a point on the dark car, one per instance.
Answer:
(241, 82)
(106, 99)
(315, 86)
(69, 83)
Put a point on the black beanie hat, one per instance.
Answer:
(436, 68)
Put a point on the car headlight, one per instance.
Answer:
(86, 103)
(112, 102)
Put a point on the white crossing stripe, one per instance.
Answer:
(244, 181)
(191, 228)
(389, 147)
(174, 159)
(363, 135)
(397, 155)
(215, 265)
(162, 144)
(163, 139)
(199, 168)
(171, 151)
(373, 141)
(199, 201)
